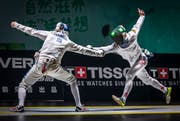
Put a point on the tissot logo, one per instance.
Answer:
(163, 73)
(81, 72)
(98, 72)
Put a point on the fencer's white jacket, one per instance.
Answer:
(57, 43)
(133, 50)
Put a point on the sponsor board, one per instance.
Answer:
(92, 76)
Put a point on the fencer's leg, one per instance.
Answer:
(75, 93)
(148, 80)
(29, 79)
(21, 96)
(127, 89)
(134, 70)
(128, 84)
(59, 73)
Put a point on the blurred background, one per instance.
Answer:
(90, 21)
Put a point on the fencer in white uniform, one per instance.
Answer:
(48, 60)
(125, 44)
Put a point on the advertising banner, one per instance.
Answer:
(13, 67)
(98, 78)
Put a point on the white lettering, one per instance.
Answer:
(70, 70)
(117, 73)
(173, 70)
(100, 73)
(27, 62)
(6, 63)
(154, 71)
(107, 73)
(99, 83)
(92, 69)
(16, 63)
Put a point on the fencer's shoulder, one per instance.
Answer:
(59, 34)
(71, 43)
(54, 32)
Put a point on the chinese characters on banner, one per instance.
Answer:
(48, 12)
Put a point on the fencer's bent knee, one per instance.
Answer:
(24, 85)
(128, 76)
(72, 79)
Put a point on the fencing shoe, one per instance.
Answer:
(168, 95)
(17, 108)
(80, 109)
(118, 100)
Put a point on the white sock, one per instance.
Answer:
(75, 93)
(21, 95)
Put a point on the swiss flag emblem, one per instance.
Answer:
(80, 72)
(163, 73)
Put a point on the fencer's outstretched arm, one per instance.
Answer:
(85, 50)
(136, 28)
(31, 31)
(107, 49)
